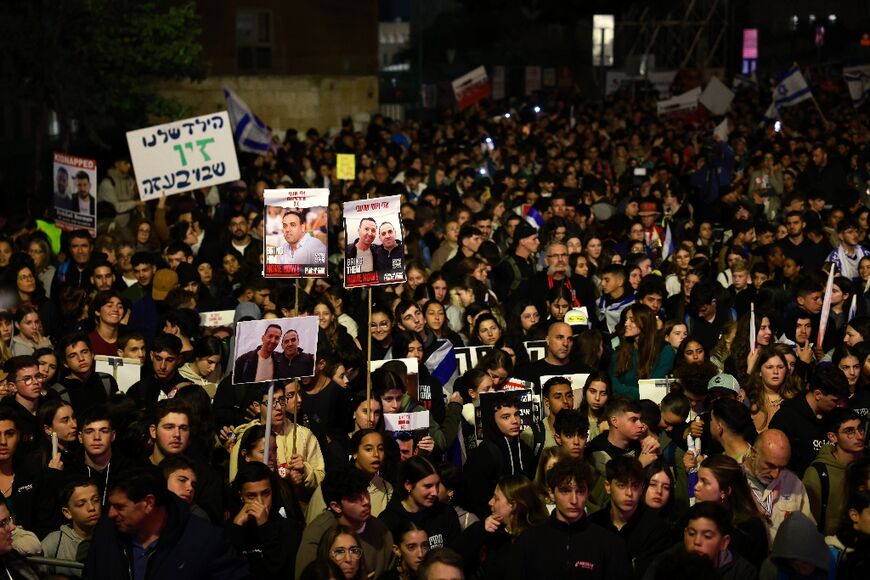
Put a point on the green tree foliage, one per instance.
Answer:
(93, 62)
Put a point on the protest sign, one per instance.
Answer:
(655, 389)
(75, 193)
(216, 318)
(467, 357)
(375, 253)
(275, 349)
(407, 429)
(125, 371)
(471, 87)
(536, 349)
(295, 235)
(183, 155)
(407, 368)
(716, 97)
(345, 166)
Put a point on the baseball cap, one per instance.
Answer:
(164, 281)
(724, 381)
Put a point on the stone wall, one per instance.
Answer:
(285, 102)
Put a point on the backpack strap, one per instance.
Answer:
(825, 481)
(539, 433)
(62, 392)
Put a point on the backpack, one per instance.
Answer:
(825, 481)
(62, 391)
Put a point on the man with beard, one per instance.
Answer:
(61, 199)
(262, 363)
(391, 252)
(294, 363)
(558, 272)
(359, 254)
(240, 237)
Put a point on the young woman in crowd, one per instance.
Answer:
(516, 507)
(30, 335)
(342, 546)
(640, 355)
(436, 321)
(596, 392)
(721, 480)
(765, 387)
(206, 364)
(107, 311)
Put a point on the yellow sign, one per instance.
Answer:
(346, 166)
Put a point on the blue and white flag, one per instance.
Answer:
(770, 115)
(252, 135)
(442, 365)
(858, 81)
(668, 244)
(792, 89)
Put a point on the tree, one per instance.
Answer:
(92, 63)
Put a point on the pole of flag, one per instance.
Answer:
(752, 327)
(826, 304)
(266, 446)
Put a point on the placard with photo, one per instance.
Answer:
(276, 349)
(75, 193)
(295, 236)
(375, 252)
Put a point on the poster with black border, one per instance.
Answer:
(75, 193)
(295, 225)
(276, 349)
(375, 252)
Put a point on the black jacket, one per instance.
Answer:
(494, 458)
(271, 548)
(189, 548)
(245, 369)
(147, 391)
(440, 522)
(645, 535)
(806, 432)
(556, 549)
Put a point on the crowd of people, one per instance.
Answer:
(700, 401)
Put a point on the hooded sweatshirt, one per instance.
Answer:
(497, 456)
(62, 544)
(798, 539)
(836, 489)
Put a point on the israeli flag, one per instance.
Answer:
(252, 135)
(770, 115)
(442, 365)
(668, 244)
(858, 82)
(792, 89)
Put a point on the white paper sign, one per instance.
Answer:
(125, 371)
(216, 318)
(406, 421)
(183, 155)
(716, 97)
(654, 389)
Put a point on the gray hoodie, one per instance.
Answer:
(62, 544)
(797, 539)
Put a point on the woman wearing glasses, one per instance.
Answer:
(342, 546)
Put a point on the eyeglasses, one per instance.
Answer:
(29, 379)
(340, 553)
(852, 431)
(279, 401)
(7, 523)
(381, 324)
(25, 277)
